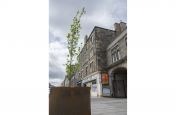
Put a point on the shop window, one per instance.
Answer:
(94, 82)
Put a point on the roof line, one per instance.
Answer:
(92, 32)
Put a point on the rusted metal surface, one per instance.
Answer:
(69, 101)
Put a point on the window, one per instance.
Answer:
(92, 39)
(115, 53)
(91, 67)
(84, 57)
(82, 73)
(126, 41)
(113, 57)
(87, 46)
(94, 82)
(86, 70)
(79, 74)
(91, 53)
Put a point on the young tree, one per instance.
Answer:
(72, 39)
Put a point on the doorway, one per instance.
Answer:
(119, 83)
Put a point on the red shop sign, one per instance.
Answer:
(104, 78)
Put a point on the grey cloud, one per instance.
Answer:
(53, 38)
(62, 12)
(57, 54)
(56, 82)
(56, 73)
(55, 69)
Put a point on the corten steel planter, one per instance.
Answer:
(69, 101)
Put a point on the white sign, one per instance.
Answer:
(94, 88)
(90, 78)
(106, 91)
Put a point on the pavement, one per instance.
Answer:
(108, 106)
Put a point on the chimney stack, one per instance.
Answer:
(122, 25)
(119, 27)
(85, 39)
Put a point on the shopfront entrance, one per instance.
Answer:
(93, 86)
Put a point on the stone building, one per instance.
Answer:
(117, 64)
(98, 60)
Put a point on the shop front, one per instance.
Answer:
(94, 82)
(105, 85)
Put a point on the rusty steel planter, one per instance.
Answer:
(69, 101)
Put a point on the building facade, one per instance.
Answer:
(117, 65)
(101, 55)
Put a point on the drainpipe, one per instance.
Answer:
(110, 83)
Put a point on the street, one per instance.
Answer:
(108, 106)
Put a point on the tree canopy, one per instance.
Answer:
(72, 44)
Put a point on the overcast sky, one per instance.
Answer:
(103, 13)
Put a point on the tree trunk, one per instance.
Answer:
(69, 83)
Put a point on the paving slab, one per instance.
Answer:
(108, 106)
